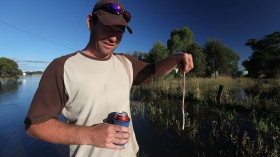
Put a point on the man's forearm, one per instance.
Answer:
(166, 65)
(181, 59)
(55, 131)
(100, 135)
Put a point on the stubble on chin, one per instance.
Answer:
(103, 51)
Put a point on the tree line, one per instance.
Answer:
(210, 59)
(215, 58)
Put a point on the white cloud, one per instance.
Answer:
(32, 60)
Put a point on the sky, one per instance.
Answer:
(34, 32)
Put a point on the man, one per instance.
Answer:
(88, 85)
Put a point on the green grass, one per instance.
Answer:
(257, 94)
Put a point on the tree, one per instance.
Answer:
(219, 58)
(139, 55)
(265, 58)
(158, 52)
(9, 68)
(180, 39)
(199, 59)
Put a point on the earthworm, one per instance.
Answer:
(183, 100)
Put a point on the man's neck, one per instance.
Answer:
(95, 54)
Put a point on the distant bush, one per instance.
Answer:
(34, 72)
(9, 68)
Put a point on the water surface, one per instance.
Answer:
(15, 98)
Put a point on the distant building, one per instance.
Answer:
(214, 74)
(245, 72)
(241, 73)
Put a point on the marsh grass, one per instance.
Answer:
(243, 93)
(245, 122)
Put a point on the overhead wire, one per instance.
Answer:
(32, 34)
(48, 40)
(79, 23)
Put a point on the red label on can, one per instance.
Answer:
(121, 116)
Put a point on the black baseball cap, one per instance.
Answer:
(108, 18)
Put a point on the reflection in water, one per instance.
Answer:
(241, 97)
(158, 128)
(9, 84)
(209, 131)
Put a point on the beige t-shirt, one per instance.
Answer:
(86, 90)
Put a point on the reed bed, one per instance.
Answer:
(243, 122)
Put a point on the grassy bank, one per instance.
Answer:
(243, 122)
(243, 93)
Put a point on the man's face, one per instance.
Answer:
(105, 39)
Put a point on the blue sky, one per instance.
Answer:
(34, 32)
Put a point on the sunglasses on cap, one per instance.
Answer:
(114, 9)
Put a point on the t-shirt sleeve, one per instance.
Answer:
(143, 72)
(50, 96)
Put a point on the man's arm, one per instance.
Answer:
(101, 135)
(183, 61)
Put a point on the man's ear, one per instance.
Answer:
(89, 22)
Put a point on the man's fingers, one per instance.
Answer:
(119, 128)
(121, 138)
(114, 146)
(119, 141)
(122, 135)
(187, 63)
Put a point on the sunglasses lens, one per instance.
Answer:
(115, 9)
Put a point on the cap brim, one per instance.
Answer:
(112, 19)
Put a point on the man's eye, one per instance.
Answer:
(120, 32)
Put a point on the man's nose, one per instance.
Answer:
(113, 38)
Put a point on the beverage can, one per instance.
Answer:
(122, 118)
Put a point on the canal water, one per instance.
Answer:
(15, 98)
